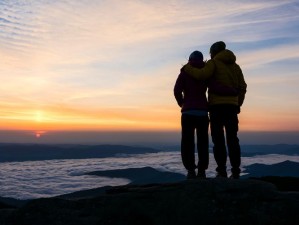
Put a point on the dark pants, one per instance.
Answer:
(189, 124)
(225, 117)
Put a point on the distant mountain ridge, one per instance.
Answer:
(34, 152)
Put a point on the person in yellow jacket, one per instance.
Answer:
(223, 109)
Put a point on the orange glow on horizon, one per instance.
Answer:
(147, 119)
(253, 121)
(109, 119)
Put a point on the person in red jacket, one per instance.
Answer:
(190, 95)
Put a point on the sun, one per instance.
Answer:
(38, 134)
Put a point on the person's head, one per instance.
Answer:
(216, 48)
(196, 58)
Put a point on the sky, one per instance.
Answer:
(99, 65)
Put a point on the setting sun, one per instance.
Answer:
(38, 134)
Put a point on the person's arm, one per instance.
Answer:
(242, 87)
(178, 90)
(201, 74)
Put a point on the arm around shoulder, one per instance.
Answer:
(201, 74)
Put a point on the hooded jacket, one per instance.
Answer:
(190, 93)
(224, 70)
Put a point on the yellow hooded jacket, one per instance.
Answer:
(223, 69)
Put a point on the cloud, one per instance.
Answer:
(125, 55)
(256, 58)
(102, 31)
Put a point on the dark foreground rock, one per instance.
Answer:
(210, 201)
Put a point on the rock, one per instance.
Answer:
(208, 201)
(282, 183)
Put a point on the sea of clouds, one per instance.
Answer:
(47, 178)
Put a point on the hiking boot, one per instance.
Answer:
(222, 174)
(235, 173)
(201, 174)
(234, 176)
(191, 174)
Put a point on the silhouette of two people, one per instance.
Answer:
(224, 80)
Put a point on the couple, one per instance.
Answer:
(224, 80)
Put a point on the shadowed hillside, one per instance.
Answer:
(286, 168)
(210, 201)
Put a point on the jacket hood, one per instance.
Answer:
(226, 56)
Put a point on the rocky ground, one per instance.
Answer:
(209, 201)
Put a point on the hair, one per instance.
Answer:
(216, 48)
(196, 55)
(196, 59)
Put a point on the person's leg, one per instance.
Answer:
(187, 144)
(234, 150)
(217, 133)
(202, 128)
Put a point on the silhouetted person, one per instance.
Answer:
(223, 109)
(190, 95)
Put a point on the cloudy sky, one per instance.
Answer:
(112, 64)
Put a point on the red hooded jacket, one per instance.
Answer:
(190, 93)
